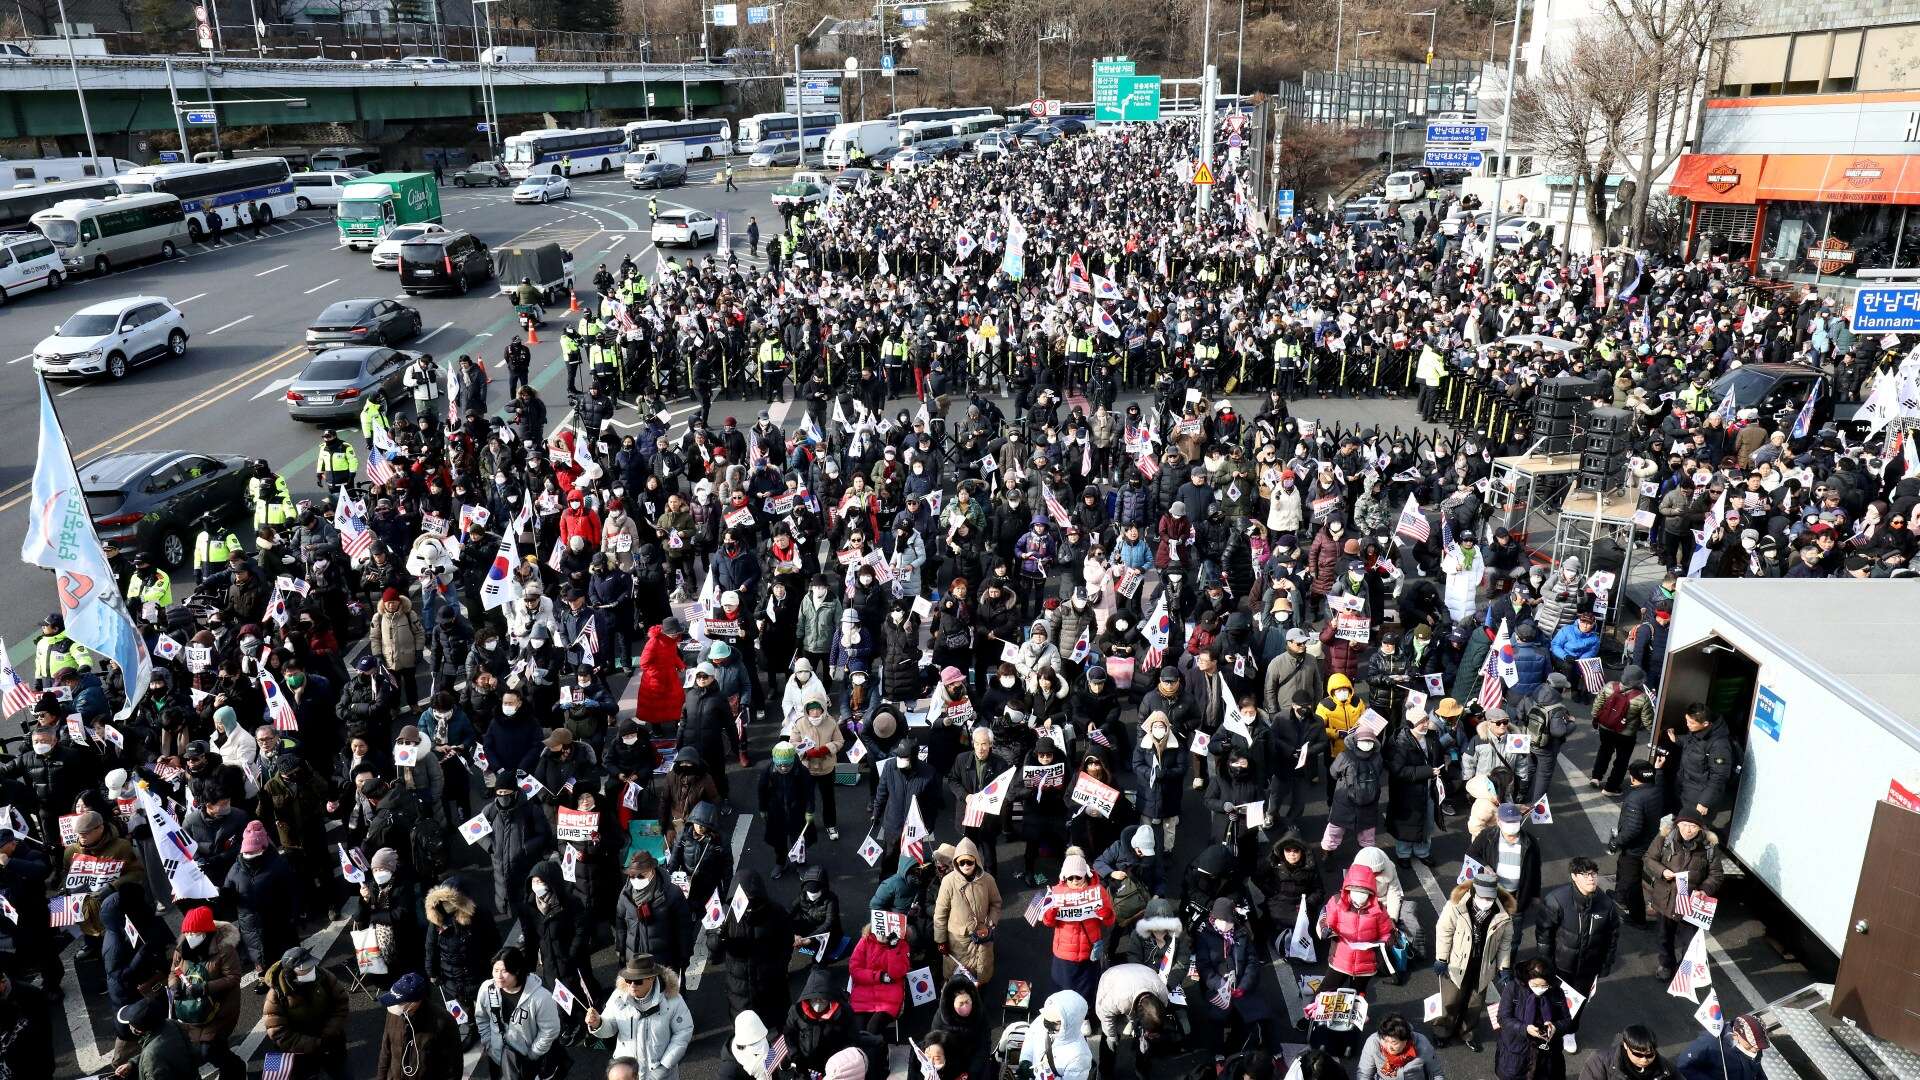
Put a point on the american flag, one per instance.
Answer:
(589, 640)
(914, 833)
(277, 1066)
(1413, 524)
(776, 1054)
(1159, 632)
(1493, 689)
(18, 694)
(65, 910)
(380, 470)
(1446, 529)
(1099, 737)
(1149, 466)
(1591, 673)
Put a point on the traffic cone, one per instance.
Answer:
(573, 302)
(533, 332)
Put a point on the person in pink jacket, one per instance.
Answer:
(879, 968)
(1359, 927)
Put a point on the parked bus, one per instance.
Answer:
(221, 194)
(912, 116)
(297, 157)
(340, 158)
(570, 150)
(780, 125)
(970, 128)
(99, 234)
(18, 207)
(37, 172)
(703, 139)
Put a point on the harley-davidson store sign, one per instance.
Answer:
(1723, 177)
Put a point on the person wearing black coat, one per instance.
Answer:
(707, 723)
(26, 1027)
(1415, 759)
(1578, 929)
(1291, 874)
(1636, 828)
(650, 916)
(962, 1018)
(461, 942)
(522, 838)
(266, 900)
(136, 946)
(23, 882)
(563, 932)
(1228, 795)
(786, 801)
(755, 947)
(820, 1024)
(1703, 778)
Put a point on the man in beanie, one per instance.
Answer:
(786, 803)
(1513, 854)
(1734, 1054)
(306, 1013)
(1621, 712)
(164, 1053)
(266, 900)
(1685, 846)
(110, 854)
(420, 1042)
(1473, 941)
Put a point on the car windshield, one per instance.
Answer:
(406, 232)
(331, 371)
(89, 325)
(1747, 385)
(60, 231)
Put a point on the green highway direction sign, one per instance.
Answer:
(1139, 97)
(1106, 92)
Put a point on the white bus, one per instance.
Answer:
(34, 172)
(781, 125)
(18, 207)
(703, 139)
(911, 116)
(569, 150)
(915, 132)
(221, 194)
(97, 234)
(969, 129)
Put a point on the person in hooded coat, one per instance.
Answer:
(755, 947)
(204, 983)
(461, 942)
(966, 913)
(1055, 1045)
(1230, 959)
(563, 932)
(1292, 874)
(1533, 1016)
(820, 1024)
(521, 839)
(879, 972)
(817, 911)
(962, 1018)
(747, 1050)
(700, 853)
(1357, 922)
(662, 675)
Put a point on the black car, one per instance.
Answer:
(658, 174)
(1068, 125)
(878, 160)
(440, 262)
(150, 500)
(370, 321)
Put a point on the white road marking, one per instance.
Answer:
(229, 326)
(319, 945)
(431, 332)
(320, 286)
(273, 269)
(615, 242)
(86, 1049)
(274, 386)
(17, 359)
(70, 390)
(697, 967)
(189, 299)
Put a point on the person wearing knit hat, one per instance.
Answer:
(253, 841)
(1622, 712)
(848, 1064)
(786, 804)
(1513, 853)
(1079, 910)
(1686, 847)
(1733, 1054)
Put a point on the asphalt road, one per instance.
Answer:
(248, 301)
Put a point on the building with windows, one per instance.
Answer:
(1807, 159)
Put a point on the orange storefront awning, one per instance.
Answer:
(1844, 178)
(1719, 178)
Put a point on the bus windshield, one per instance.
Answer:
(62, 231)
(519, 151)
(134, 187)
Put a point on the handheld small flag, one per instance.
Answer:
(1592, 675)
(277, 1066)
(476, 828)
(798, 852)
(18, 695)
(1413, 524)
(278, 707)
(914, 832)
(716, 913)
(65, 910)
(500, 589)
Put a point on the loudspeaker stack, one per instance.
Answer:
(1603, 458)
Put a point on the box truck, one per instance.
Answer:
(644, 154)
(508, 54)
(862, 138)
(370, 208)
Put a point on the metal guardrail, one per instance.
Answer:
(217, 66)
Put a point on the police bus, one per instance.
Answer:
(18, 207)
(219, 194)
(570, 151)
(921, 116)
(760, 127)
(702, 139)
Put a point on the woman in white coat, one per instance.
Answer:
(1465, 568)
(647, 1020)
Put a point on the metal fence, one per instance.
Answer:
(369, 41)
(1377, 93)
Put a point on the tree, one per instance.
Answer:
(1574, 113)
(1311, 154)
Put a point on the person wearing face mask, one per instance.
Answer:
(306, 1012)
(521, 837)
(1359, 925)
(1230, 795)
(662, 693)
(561, 935)
(879, 973)
(215, 825)
(1472, 948)
(817, 623)
(903, 780)
(204, 983)
(1056, 1046)
(1360, 778)
(786, 803)
(293, 811)
(1533, 1016)
(1415, 760)
(748, 1048)
(419, 1040)
(460, 942)
(1160, 766)
(960, 1023)
(390, 906)
(1339, 714)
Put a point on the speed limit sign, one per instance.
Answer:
(1037, 107)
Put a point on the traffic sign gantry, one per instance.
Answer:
(1439, 158)
(1139, 98)
(1202, 175)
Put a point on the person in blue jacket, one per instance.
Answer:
(1529, 660)
(1578, 640)
(1734, 1054)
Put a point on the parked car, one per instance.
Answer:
(371, 321)
(684, 226)
(28, 261)
(150, 500)
(386, 253)
(542, 189)
(879, 158)
(311, 189)
(658, 174)
(112, 338)
(415, 63)
(447, 260)
(483, 174)
(336, 383)
(908, 160)
(1068, 125)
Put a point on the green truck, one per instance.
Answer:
(371, 207)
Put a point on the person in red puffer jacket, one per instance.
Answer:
(1357, 922)
(879, 969)
(662, 675)
(1080, 911)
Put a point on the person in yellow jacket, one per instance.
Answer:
(212, 547)
(54, 652)
(373, 417)
(1339, 712)
(336, 462)
(148, 585)
(267, 494)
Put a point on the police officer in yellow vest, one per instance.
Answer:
(55, 652)
(212, 547)
(1079, 356)
(373, 415)
(148, 585)
(773, 365)
(267, 494)
(336, 463)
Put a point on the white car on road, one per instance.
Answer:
(386, 253)
(541, 188)
(684, 226)
(112, 337)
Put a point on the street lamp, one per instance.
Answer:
(853, 72)
(1497, 24)
(1393, 140)
(1039, 37)
(1500, 163)
(73, 64)
(489, 104)
(1433, 25)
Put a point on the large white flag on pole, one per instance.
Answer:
(176, 850)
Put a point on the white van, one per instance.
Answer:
(311, 189)
(98, 234)
(1405, 186)
(28, 261)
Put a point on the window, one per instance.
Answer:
(6, 258)
(166, 478)
(1886, 58)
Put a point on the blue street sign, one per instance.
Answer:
(1283, 204)
(886, 65)
(1457, 133)
(202, 116)
(483, 127)
(1437, 158)
(758, 15)
(168, 156)
(1887, 309)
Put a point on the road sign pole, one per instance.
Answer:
(179, 122)
(1208, 81)
(1500, 162)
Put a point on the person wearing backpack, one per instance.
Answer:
(1621, 713)
(1549, 724)
(204, 983)
(1359, 779)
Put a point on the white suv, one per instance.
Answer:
(112, 337)
(28, 261)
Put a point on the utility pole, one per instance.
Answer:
(1336, 91)
(179, 122)
(1500, 163)
(1239, 50)
(73, 64)
(1209, 86)
(800, 106)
